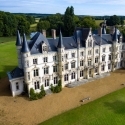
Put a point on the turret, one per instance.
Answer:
(61, 58)
(18, 47)
(115, 36)
(103, 30)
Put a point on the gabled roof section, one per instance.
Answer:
(104, 39)
(36, 41)
(60, 42)
(16, 73)
(18, 39)
(25, 47)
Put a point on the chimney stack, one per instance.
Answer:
(53, 33)
(44, 32)
(112, 30)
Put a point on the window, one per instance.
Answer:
(90, 44)
(103, 58)
(55, 80)
(62, 58)
(81, 53)
(46, 82)
(17, 86)
(66, 77)
(73, 65)
(96, 60)
(89, 62)
(81, 73)
(122, 46)
(34, 61)
(110, 49)
(89, 52)
(73, 75)
(36, 72)
(46, 70)
(66, 66)
(121, 55)
(45, 48)
(54, 58)
(81, 63)
(27, 64)
(96, 51)
(110, 57)
(54, 68)
(103, 67)
(109, 66)
(62, 68)
(28, 76)
(36, 85)
(45, 59)
(73, 55)
(96, 70)
(66, 56)
(103, 50)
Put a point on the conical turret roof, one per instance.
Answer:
(25, 47)
(60, 42)
(18, 39)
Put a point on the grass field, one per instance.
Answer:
(8, 57)
(108, 110)
(98, 22)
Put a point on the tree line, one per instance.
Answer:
(9, 23)
(66, 22)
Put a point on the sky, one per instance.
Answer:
(81, 7)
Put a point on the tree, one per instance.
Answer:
(88, 22)
(43, 25)
(121, 21)
(113, 20)
(69, 24)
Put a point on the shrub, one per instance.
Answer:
(57, 88)
(35, 96)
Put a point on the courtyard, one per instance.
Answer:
(21, 111)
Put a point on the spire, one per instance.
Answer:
(115, 36)
(60, 42)
(18, 40)
(25, 47)
(103, 30)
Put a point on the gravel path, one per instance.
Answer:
(21, 111)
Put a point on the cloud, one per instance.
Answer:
(113, 2)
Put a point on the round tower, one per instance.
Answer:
(26, 62)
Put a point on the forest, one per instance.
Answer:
(67, 22)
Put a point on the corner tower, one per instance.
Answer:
(61, 48)
(26, 62)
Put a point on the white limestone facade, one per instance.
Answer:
(42, 63)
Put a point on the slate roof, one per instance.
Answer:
(25, 47)
(81, 34)
(105, 39)
(18, 39)
(17, 72)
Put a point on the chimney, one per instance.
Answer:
(112, 30)
(44, 32)
(100, 31)
(53, 33)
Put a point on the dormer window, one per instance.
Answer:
(44, 48)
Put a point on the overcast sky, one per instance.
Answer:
(81, 7)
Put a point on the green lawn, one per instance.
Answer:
(8, 55)
(98, 22)
(108, 110)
